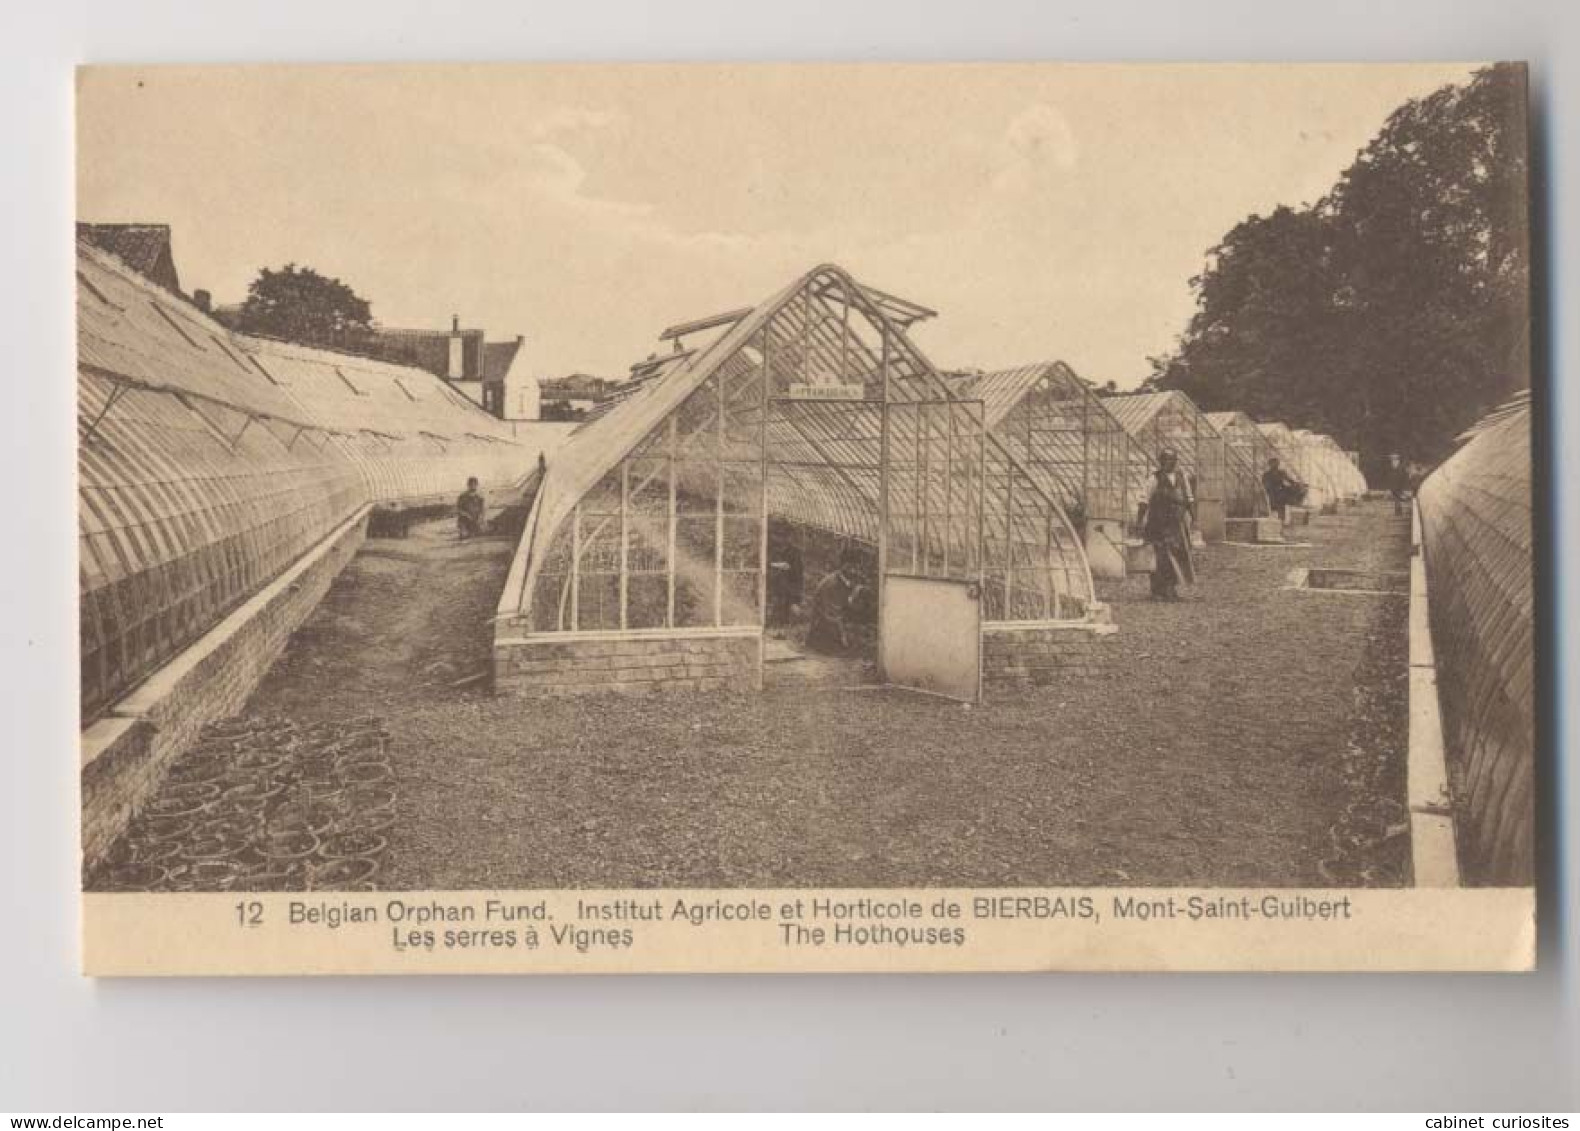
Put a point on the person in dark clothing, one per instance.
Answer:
(786, 577)
(1398, 483)
(1166, 519)
(469, 511)
(832, 602)
(1283, 489)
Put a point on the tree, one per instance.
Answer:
(1393, 312)
(300, 305)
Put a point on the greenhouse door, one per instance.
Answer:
(930, 610)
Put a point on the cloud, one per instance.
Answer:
(1038, 138)
(557, 177)
(573, 119)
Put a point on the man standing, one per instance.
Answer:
(786, 576)
(1166, 519)
(1399, 483)
(469, 511)
(1283, 489)
(831, 608)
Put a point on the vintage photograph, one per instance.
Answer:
(624, 478)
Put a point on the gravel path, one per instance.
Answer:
(1224, 741)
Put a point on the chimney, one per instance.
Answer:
(457, 366)
(203, 301)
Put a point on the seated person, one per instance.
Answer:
(469, 511)
(1283, 489)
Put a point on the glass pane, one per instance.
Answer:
(647, 600)
(694, 572)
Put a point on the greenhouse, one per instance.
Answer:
(806, 434)
(1476, 536)
(1330, 465)
(1308, 462)
(209, 462)
(1253, 450)
(1159, 421)
(1054, 423)
(1344, 467)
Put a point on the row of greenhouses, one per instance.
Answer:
(210, 461)
(816, 410)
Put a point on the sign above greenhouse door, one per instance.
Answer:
(802, 391)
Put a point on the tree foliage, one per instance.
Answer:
(1393, 312)
(300, 305)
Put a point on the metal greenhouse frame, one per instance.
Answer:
(1302, 461)
(1171, 420)
(208, 462)
(1476, 536)
(1249, 452)
(813, 408)
(1052, 421)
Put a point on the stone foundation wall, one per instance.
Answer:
(125, 753)
(1015, 660)
(1254, 530)
(551, 665)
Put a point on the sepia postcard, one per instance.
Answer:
(636, 518)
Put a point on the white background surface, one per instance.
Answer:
(67, 1044)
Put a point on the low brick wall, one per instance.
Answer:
(125, 753)
(1017, 658)
(558, 664)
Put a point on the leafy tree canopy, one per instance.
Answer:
(1393, 312)
(300, 305)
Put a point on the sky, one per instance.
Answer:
(1045, 211)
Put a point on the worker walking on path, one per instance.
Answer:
(469, 511)
(1166, 519)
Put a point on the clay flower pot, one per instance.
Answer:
(294, 815)
(269, 880)
(367, 796)
(365, 773)
(288, 845)
(197, 770)
(357, 755)
(167, 806)
(213, 875)
(366, 821)
(251, 794)
(155, 851)
(190, 791)
(341, 874)
(259, 761)
(166, 828)
(205, 849)
(347, 845)
(136, 877)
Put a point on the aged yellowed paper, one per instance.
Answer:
(560, 518)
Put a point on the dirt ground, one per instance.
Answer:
(1226, 740)
(1252, 735)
